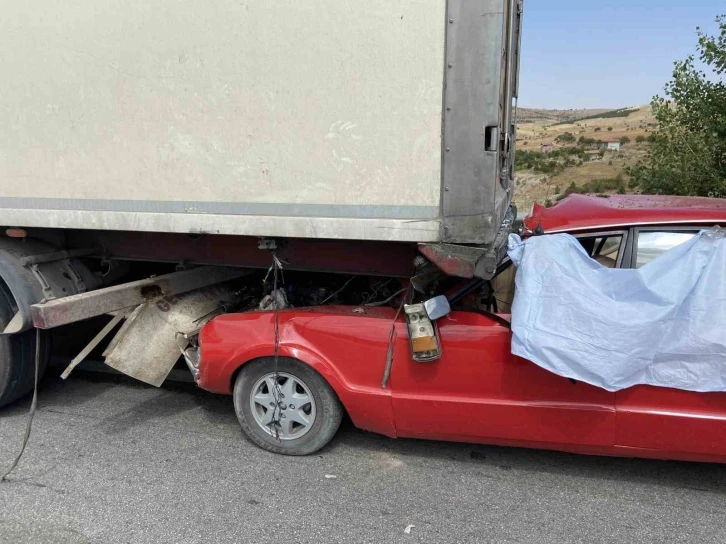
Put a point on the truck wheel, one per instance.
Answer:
(297, 417)
(17, 355)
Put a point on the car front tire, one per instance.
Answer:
(286, 408)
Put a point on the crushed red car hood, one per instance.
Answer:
(580, 212)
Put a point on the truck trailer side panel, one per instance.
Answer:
(297, 119)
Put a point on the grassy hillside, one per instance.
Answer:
(640, 121)
(535, 115)
(573, 165)
(612, 114)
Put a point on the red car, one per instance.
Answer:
(331, 360)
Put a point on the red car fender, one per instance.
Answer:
(370, 409)
(223, 354)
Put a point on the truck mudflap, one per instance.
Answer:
(146, 346)
(472, 261)
(154, 312)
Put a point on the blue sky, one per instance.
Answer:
(606, 53)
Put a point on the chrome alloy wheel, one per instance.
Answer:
(286, 409)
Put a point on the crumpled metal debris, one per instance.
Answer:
(277, 300)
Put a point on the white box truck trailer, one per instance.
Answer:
(344, 135)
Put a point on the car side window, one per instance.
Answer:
(604, 249)
(653, 243)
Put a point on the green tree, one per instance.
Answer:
(624, 140)
(565, 138)
(640, 139)
(610, 129)
(688, 151)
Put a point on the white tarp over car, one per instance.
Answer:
(663, 324)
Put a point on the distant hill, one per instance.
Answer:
(537, 115)
(538, 126)
(542, 126)
(612, 114)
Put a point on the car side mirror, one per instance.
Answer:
(437, 307)
(423, 333)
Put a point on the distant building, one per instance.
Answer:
(546, 148)
(612, 145)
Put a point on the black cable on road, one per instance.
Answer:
(33, 406)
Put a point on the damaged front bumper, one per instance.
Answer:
(189, 347)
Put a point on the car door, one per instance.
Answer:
(479, 392)
(659, 418)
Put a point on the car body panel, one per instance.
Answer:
(478, 391)
(583, 212)
(347, 349)
(672, 420)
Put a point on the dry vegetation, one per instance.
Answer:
(532, 186)
(534, 115)
(640, 121)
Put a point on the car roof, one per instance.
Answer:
(585, 212)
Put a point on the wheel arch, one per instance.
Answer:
(318, 366)
(30, 281)
(369, 410)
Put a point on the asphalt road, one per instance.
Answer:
(112, 461)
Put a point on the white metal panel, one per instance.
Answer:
(393, 230)
(112, 104)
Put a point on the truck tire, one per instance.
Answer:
(299, 418)
(17, 355)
